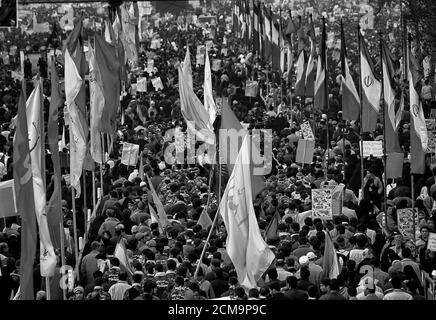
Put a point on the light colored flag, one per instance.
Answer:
(301, 74)
(157, 83)
(25, 201)
(155, 218)
(209, 103)
(330, 263)
(62, 144)
(249, 253)
(96, 108)
(320, 99)
(371, 90)
(35, 127)
(75, 69)
(204, 220)
(121, 253)
(160, 208)
(310, 74)
(127, 34)
(187, 69)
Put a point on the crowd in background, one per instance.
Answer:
(163, 263)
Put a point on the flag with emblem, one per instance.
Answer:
(371, 89)
(249, 253)
(22, 169)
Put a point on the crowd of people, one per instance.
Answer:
(376, 260)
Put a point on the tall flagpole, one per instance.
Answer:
(406, 63)
(384, 128)
(272, 51)
(362, 173)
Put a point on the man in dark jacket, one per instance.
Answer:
(293, 293)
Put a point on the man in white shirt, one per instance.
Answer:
(118, 289)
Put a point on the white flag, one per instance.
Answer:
(249, 253)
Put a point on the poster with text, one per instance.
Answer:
(322, 204)
(405, 222)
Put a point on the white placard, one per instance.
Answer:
(374, 148)
(431, 244)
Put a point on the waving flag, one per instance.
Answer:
(121, 253)
(330, 265)
(75, 70)
(350, 97)
(418, 132)
(310, 71)
(187, 69)
(249, 253)
(54, 207)
(25, 201)
(160, 208)
(209, 103)
(392, 141)
(35, 127)
(301, 74)
(155, 218)
(371, 89)
(320, 99)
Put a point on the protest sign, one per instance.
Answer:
(200, 59)
(225, 50)
(150, 65)
(322, 203)
(141, 85)
(374, 148)
(157, 83)
(155, 44)
(251, 88)
(305, 151)
(8, 206)
(405, 222)
(307, 132)
(130, 153)
(431, 244)
(216, 65)
(430, 124)
(201, 50)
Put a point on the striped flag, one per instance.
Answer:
(35, 127)
(320, 98)
(301, 74)
(310, 71)
(371, 89)
(209, 103)
(25, 201)
(160, 208)
(392, 141)
(75, 70)
(418, 132)
(272, 231)
(350, 97)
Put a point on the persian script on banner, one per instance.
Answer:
(141, 85)
(374, 148)
(322, 204)
(307, 132)
(130, 153)
(405, 222)
(157, 83)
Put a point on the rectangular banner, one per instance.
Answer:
(216, 65)
(305, 151)
(405, 222)
(130, 154)
(374, 148)
(157, 83)
(322, 204)
(306, 129)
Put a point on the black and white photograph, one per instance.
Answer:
(213, 156)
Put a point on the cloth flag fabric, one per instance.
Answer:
(418, 131)
(209, 103)
(249, 253)
(392, 141)
(350, 97)
(35, 127)
(301, 74)
(320, 98)
(159, 206)
(371, 89)
(272, 231)
(108, 79)
(54, 207)
(155, 218)
(330, 265)
(121, 253)
(204, 220)
(310, 71)
(22, 170)
(193, 111)
(187, 69)
(97, 101)
(75, 70)
(128, 34)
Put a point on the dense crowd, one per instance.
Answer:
(163, 263)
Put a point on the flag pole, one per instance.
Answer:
(280, 50)
(406, 63)
(362, 173)
(213, 223)
(384, 129)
